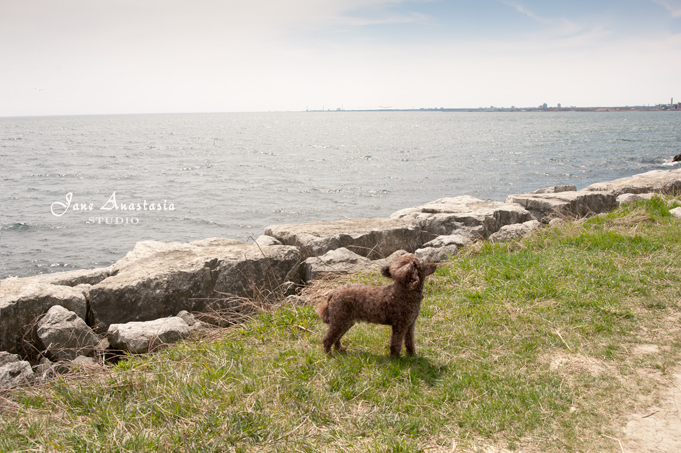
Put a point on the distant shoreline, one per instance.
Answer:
(657, 108)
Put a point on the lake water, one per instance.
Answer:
(231, 175)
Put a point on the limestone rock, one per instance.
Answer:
(436, 254)
(442, 247)
(64, 335)
(377, 264)
(631, 197)
(338, 261)
(371, 238)
(141, 337)
(22, 300)
(676, 212)
(511, 232)
(187, 317)
(84, 362)
(266, 241)
(556, 189)
(45, 369)
(555, 222)
(658, 181)
(452, 239)
(572, 204)
(159, 279)
(459, 214)
(6, 357)
(75, 278)
(14, 372)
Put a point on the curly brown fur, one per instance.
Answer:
(396, 305)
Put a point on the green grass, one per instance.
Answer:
(525, 346)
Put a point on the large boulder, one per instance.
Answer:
(451, 239)
(436, 254)
(371, 238)
(658, 181)
(141, 337)
(339, 261)
(75, 278)
(159, 279)
(64, 335)
(513, 232)
(14, 372)
(565, 204)
(23, 300)
(463, 215)
(442, 247)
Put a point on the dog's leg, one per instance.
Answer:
(334, 335)
(397, 339)
(409, 339)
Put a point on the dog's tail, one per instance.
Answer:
(323, 310)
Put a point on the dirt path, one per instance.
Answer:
(657, 429)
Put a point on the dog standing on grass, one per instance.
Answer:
(396, 305)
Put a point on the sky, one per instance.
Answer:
(70, 57)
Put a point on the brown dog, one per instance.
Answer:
(396, 305)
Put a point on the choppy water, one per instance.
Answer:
(231, 175)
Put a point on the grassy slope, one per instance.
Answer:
(528, 346)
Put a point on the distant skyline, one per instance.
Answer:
(69, 57)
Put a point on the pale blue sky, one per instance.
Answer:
(145, 56)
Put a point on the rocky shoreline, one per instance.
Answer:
(51, 323)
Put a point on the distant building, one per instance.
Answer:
(559, 105)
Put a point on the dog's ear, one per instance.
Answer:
(405, 273)
(385, 271)
(414, 278)
(430, 268)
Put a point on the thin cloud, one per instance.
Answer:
(523, 10)
(674, 6)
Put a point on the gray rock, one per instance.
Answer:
(657, 181)
(377, 264)
(141, 337)
(511, 232)
(103, 345)
(45, 369)
(201, 328)
(75, 278)
(676, 212)
(187, 317)
(15, 374)
(339, 261)
(23, 300)
(85, 362)
(64, 335)
(631, 197)
(437, 254)
(452, 239)
(464, 215)
(371, 238)
(565, 204)
(557, 189)
(159, 279)
(555, 222)
(6, 357)
(267, 241)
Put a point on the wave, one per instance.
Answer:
(22, 226)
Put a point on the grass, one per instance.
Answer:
(526, 346)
